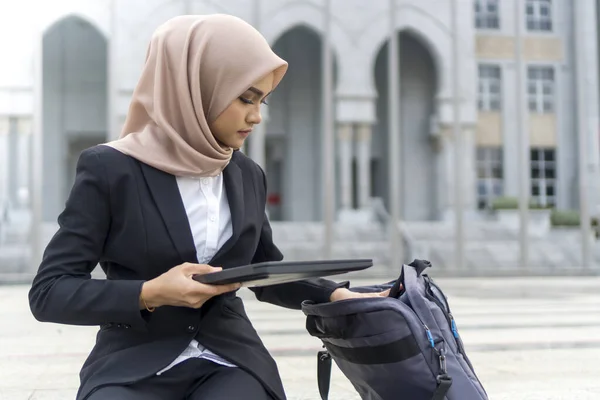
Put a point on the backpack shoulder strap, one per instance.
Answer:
(324, 373)
(444, 382)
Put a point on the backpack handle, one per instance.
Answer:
(399, 286)
(420, 266)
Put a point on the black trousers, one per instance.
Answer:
(193, 379)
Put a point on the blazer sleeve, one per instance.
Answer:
(62, 290)
(289, 295)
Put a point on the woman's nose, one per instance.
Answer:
(254, 117)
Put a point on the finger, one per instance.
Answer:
(227, 288)
(376, 294)
(215, 290)
(358, 295)
(200, 269)
(198, 304)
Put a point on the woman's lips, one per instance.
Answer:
(245, 132)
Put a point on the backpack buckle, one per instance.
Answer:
(323, 355)
(442, 360)
(443, 369)
(444, 378)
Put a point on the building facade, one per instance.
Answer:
(71, 67)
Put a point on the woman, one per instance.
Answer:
(170, 199)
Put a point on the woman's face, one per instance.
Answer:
(234, 124)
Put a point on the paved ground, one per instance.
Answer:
(529, 339)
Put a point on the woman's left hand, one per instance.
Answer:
(345, 294)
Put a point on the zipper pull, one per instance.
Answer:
(429, 336)
(453, 326)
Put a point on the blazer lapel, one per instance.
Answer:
(234, 187)
(165, 192)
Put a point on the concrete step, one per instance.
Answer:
(314, 232)
(490, 249)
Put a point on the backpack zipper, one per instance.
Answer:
(429, 335)
(450, 319)
(427, 330)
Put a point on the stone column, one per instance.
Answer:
(344, 133)
(13, 161)
(468, 122)
(469, 179)
(437, 141)
(510, 131)
(4, 132)
(589, 58)
(444, 182)
(363, 141)
(355, 108)
(446, 176)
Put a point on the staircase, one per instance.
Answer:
(491, 248)
(301, 241)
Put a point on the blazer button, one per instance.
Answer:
(191, 328)
(119, 325)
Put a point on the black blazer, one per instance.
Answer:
(130, 218)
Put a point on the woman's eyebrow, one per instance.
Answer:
(258, 92)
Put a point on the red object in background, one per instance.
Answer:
(274, 199)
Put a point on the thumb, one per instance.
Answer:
(201, 269)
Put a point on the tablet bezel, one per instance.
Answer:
(277, 272)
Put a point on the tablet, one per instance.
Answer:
(275, 272)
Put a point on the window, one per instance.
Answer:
(489, 88)
(543, 176)
(487, 15)
(539, 15)
(540, 89)
(489, 175)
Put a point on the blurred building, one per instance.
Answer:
(69, 68)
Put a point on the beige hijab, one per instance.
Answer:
(195, 67)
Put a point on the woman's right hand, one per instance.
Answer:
(177, 288)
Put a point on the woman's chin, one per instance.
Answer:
(237, 144)
(228, 145)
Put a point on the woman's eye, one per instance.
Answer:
(246, 101)
(265, 102)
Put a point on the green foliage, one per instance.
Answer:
(564, 218)
(505, 203)
(512, 203)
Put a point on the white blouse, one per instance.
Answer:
(207, 208)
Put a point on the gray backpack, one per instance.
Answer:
(405, 346)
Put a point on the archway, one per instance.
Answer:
(74, 70)
(418, 86)
(293, 132)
